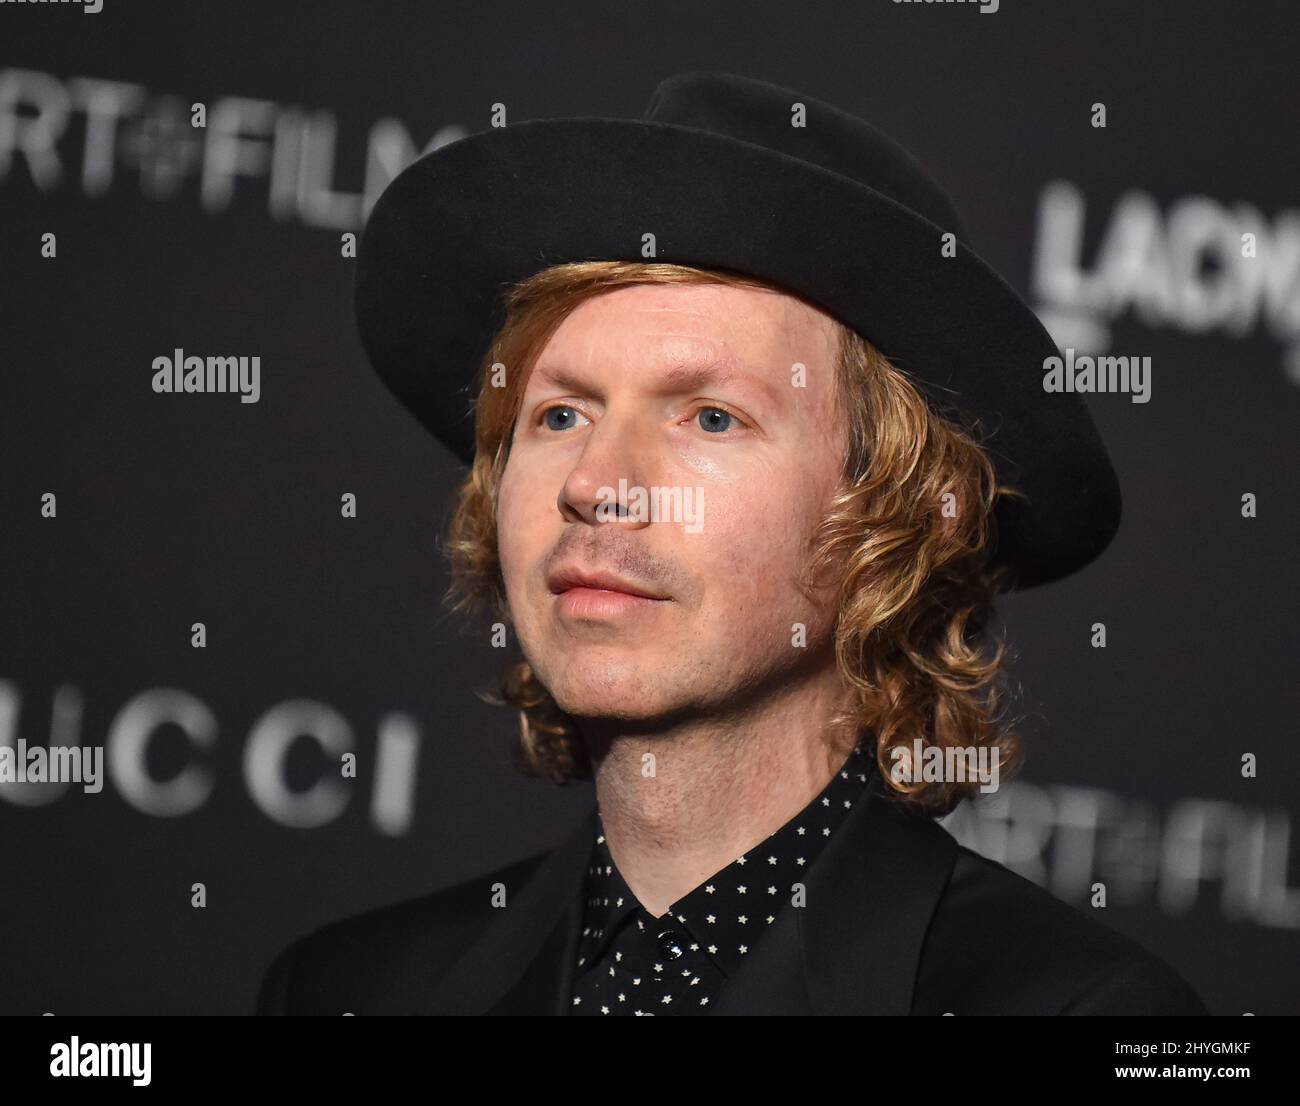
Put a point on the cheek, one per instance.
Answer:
(513, 525)
(528, 523)
(751, 554)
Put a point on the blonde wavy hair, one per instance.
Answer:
(908, 534)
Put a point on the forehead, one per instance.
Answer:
(659, 332)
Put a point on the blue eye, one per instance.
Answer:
(712, 425)
(546, 417)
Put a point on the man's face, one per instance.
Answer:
(692, 390)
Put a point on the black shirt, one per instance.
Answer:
(630, 962)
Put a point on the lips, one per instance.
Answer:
(569, 578)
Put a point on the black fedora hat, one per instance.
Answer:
(719, 173)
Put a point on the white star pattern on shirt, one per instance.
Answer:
(661, 956)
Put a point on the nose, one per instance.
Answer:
(615, 457)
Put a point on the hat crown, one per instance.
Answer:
(728, 175)
(762, 113)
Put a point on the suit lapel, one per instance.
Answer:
(855, 948)
(875, 900)
(523, 962)
(774, 979)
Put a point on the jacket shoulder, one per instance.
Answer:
(385, 953)
(1000, 944)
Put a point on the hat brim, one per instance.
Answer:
(460, 225)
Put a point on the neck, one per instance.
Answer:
(718, 786)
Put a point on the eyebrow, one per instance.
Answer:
(680, 378)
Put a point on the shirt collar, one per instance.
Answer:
(726, 913)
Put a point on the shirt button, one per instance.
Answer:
(671, 945)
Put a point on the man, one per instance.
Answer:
(746, 507)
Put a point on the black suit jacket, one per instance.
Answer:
(899, 919)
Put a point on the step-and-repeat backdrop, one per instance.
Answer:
(185, 602)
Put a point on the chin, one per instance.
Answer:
(620, 693)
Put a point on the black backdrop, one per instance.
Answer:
(324, 633)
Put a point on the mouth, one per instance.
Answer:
(574, 580)
(594, 603)
(583, 595)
